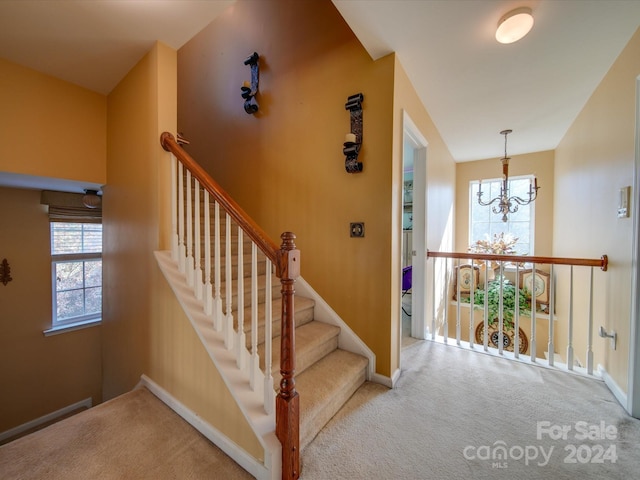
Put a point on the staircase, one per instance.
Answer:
(237, 288)
(326, 376)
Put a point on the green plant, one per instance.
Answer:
(508, 301)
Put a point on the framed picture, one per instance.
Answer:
(467, 276)
(537, 283)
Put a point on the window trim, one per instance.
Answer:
(532, 216)
(80, 321)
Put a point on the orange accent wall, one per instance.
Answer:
(51, 128)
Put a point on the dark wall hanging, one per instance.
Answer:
(249, 90)
(353, 140)
(5, 272)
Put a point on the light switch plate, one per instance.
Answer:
(623, 202)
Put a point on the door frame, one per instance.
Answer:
(633, 390)
(411, 135)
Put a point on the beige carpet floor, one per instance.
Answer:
(457, 414)
(132, 437)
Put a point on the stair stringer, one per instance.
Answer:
(237, 381)
(347, 339)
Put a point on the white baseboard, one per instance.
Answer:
(620, 394)
(86, 403)
(224, 443)
(386, 381)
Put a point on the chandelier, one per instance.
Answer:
(507, 204)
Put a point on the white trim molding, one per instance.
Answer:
(618, 392)
(13, 432)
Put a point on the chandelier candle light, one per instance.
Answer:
(508, 204)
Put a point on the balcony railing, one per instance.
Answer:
(535, 309)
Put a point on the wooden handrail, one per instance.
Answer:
(286, 258)
(603, 262)
(259, 237)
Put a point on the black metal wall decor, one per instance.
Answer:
(353, 139)
(249, 90)
(5, 272)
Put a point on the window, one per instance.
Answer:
(484, 224)
(76, 266)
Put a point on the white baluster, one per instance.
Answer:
(189, 265)
(182, 255)
(197, 284)
(485, 320)
(217, 299)
(435, 305)
(516, 316)
(570, 345)
(501, 311)
(174, 209)
(532, 344)
(590, 330)
(445, 334)
(269, 392)
(550, 346)
(472, 292)
(458, 302)
(208, 297)
(255, 358)
(240, 338)
(228, 324)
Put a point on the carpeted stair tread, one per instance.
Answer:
(325, 387)
(314, 340)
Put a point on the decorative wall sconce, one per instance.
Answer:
(5, 272)
(249, 90)
(353, 139)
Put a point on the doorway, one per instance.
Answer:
(414, 232)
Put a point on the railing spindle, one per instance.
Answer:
(217, 298)
(255, 360)
(197, 284)
(174, 208)
(240, 337)
(516, 315)
(485, 331)
(269, 392)
(445, 332)
(228, 324)
(551, 349)
(182, 256)
(501, 312)
(570, 345)
(472, 293)
(189, 266)
(590, 328)
(458, 319)
(532, 343)
(208, 292)
(434, 302)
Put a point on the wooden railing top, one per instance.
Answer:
(602, 262)
(250, 227)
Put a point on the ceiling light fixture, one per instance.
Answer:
(514, 25)
(507, 204)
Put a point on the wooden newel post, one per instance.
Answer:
(288, 401)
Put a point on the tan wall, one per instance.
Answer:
(285, 165)
(440, 186)
(539, 164)
(38, 374)
(50, 128)
(593, 160)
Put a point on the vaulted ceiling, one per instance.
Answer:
(472, 86)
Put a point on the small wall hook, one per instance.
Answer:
(249, 90)
(5, 272)
(353, 139)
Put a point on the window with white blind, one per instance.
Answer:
(484, 224)
(76, 267)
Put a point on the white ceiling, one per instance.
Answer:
(472, 86)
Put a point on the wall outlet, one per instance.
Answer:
(357, 229)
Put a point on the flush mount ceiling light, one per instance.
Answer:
(514, 25)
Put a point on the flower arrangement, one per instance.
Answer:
(502, 244)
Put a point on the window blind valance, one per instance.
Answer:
(68, 207)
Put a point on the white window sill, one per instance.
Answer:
(70, 327)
